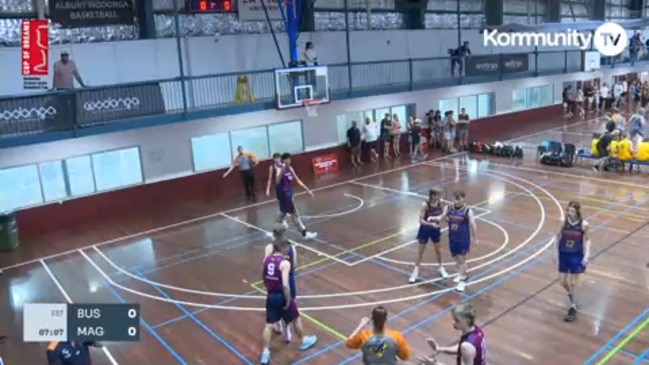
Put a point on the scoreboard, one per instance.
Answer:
(44, 322)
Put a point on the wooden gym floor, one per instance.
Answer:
(197, 283)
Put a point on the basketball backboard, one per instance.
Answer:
(294, 86)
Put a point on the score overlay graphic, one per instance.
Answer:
(45, 322)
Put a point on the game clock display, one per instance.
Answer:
(206, 6)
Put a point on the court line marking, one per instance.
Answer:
(361, 203)
(379, 255)
(609, 356)
(559, 173)
(270, 234)
(405, 192)
(67, 297)
(382, 302)
(248, 206)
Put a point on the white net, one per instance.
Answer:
(311, 108)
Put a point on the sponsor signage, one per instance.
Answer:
(254, 9)
(35, 53)
(91, 13)
(496, 64)
(324, 164)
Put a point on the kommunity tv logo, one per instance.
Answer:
(610, 39)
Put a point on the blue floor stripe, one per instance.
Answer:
(205, 327)
(149, 328)
(613, 341)
(484, 290)
(642, 358)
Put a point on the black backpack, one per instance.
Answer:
(507, 151)
(563, 156)
(518, 152)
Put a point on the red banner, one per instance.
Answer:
(35, 47)
(324, 164)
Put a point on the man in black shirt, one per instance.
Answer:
(603, 148)
(386, 128)
(354, 143)
(458, 56)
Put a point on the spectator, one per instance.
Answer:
(246, 163)
(70, 353)
(371, 136)
(618, 91)
(568, 100)
(386, 134)
(395, 135)
(604, 97)
(415, 138)
(462, 128)
(65, 72)
(354, 143)
(458, 56)
(310, 56)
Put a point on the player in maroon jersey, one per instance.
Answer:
(472, 347)
(284, 178)
(279, 303)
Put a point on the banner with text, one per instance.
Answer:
(254, 9)
(324, 164)
(96, 106)
(35, 53)
(91, 13)
(493, 65)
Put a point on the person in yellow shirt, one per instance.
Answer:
(379, 345)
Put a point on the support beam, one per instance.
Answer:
(145, 19)
(493, 10)
(598, 10)
(553, 11)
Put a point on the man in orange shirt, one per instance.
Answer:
(246, 163)
(379, 345)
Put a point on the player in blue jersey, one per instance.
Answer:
(279, 234)
(472, 347)
(284, 178)
(70, 353)
(573, 251)
(430, 218)
(462, 232)
(279, 303)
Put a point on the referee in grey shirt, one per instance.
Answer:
(246, 163)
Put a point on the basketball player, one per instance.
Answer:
(279, 304)
(272, 171)
(462, 230)
(573, 249)
(284, 178)
(70, 353)
(472, 348)
(432, 213)
(279, 234)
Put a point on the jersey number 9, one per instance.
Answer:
(270, 270)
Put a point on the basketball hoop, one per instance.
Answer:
(311, 107)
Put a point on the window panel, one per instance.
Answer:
(402, 113)
(369, 114)
(380, 113)
(470, 103)
(450, 104)
(533, 98)
(253, 140)
(344, 122)
(117, 169)
(20, 187)
(519, 99)
(546, 95)
(80, 176)
(286, 137)
(53, 180)
(486, 105)
(211, 152)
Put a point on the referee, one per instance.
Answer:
(70, 353)
(246, 163)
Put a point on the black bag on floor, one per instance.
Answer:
(507, 151)
(518, 152)
(564, 157)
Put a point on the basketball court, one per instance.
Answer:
(201, 300)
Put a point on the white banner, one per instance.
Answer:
(254, 10)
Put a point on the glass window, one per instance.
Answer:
(254, 140)
(402, 114)
(470, 103)
(369, 114)
(449, 104)
(211, 152)
(80, 176)
(53, 180)
(380, 113)
(117, 169)
(519, 99)
(486, 105)
(20, 187)
(286, 137)
(533, 98)
(546, 95)
(344, 122)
